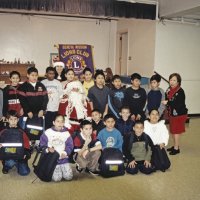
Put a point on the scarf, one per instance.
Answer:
(172, 91)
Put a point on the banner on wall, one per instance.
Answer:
(76, 56)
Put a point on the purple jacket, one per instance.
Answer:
(60, 140)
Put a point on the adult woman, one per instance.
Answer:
(175, 101)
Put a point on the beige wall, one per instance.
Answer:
(32, 38)
(178, 50)
(141, 45)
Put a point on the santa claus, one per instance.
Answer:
(74, 103)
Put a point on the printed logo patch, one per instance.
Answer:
(10, 150)
(110, 142)
(34, 132)
(113, 168)
(40, 89)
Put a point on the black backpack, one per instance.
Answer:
(160, 159)
(112, 163)
(12, 144)
(34, 127)
(44, 164)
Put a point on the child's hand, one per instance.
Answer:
(105, 113)
(147, 164)
(133, 117)
(21, 112)
(2, 119)
(63, 155)
(164, 102)
(51, 149)
(41, 113)
(84, 154)
(162, 146)
(87, 141)
(132, 164)
(30, 115)
(138, 117)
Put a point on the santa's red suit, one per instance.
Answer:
(74, 104)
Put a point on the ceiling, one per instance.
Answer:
(177, 10)
(180, 10)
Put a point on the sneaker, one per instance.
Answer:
(171, 148)
(5, 170)
(78, 169)
(95, 173)
(174, 152)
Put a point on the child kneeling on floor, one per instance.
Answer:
(87, 149)
(138, 151)
(58, 139)
(14, 147)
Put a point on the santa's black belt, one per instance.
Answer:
(76, 120)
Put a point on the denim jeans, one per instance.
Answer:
(22, 166)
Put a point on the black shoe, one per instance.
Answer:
(78, 169)
(170, 149)
(5, 170)
(174, 151)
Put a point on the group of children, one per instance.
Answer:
(83, 119)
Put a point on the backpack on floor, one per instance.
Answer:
(44, 164)
(112, 163)
(12, 144)
(34, 127)
(160, 159)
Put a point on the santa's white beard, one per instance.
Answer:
(75, 100)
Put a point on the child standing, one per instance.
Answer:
(116, 97)
(59, 70)
(54, 90)
(110, 136)
(58, 139)
(87, 149)
(139, 150)
(125, 124)
(11, 95)
(98, 94)
(155, 96)
(135, 98)
(108, 77)
(177, 110)
(21, 164)
(33, 95)
(97, 122)
(88, 81)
